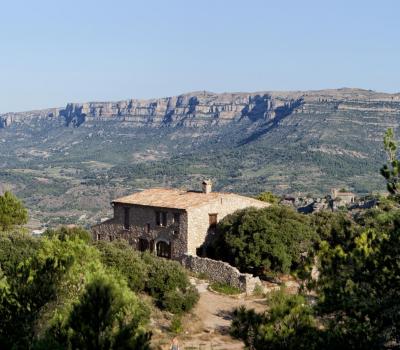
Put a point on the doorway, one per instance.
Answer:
(163, 249)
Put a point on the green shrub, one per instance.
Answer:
(176, 324)
(12, 212)
(178, 301)
(224, 288)
(122, 257)
(69, 232)
(264, 241)
(169, 284)
(289, 323)
(107, 316)
(268, 197)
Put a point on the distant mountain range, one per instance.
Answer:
(198, 109)
(71, 161)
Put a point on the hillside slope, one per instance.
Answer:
(70, 162)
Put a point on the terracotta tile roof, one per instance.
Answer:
(345, 194)
(177, 199)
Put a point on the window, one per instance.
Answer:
(126, 218)
(161, 218)
(177, 217)
(164, 219)
(212, 219)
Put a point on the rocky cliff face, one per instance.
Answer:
(189, 110)
(200, 109)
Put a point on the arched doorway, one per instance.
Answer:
(163, 249)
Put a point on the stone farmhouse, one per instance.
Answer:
(343, 197)
(171, 223)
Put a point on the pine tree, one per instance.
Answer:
(12, 212)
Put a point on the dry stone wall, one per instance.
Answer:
(219, 271)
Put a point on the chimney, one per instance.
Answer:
(207, 186)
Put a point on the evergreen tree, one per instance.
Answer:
(391, 170)
(107, 317)
(264, 241)
(12, 212)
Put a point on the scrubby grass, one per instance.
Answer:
(224, 288)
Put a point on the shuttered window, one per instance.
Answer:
(161, 218)
(212, 219)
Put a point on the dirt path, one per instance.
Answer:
(213, 314)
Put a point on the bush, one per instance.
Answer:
(39, 283)
(122, 257)
(64, 233)
(178, 301)
(261, 241)
(176, 324)
(289, 323)
(169, 284)
(107, 316)
(268, 197)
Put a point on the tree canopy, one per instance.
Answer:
(391, 170)
(12, 212)
(268, 197)
(264, 241)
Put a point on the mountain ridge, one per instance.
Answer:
(68, 163)
(194, 109)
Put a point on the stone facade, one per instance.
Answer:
(170, 222)
(199, 217)
(143, 228)
(219, 271)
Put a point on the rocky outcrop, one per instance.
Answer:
(204, 108)
(8, 119)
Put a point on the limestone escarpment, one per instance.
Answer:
(200, 109)
(190, 110)
(7, 119)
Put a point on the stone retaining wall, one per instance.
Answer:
(219, 271)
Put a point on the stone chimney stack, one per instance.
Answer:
(207, 186)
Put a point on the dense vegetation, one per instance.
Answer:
(62, 292)
(357, 291)
(264, 241)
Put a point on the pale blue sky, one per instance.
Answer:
(54, 52)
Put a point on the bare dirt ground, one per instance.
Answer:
(206, 328)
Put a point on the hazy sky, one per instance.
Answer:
(58, 51)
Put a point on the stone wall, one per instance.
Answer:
(219, 271)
